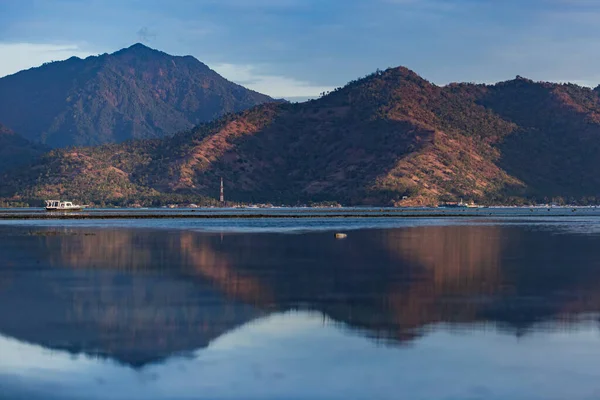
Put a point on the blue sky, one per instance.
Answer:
(289, 48)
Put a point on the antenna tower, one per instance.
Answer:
(222, 197)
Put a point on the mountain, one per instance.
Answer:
(16, 151)
(134, 93)
(391, 138)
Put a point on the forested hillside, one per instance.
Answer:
(391, 138)
(134, 93)
(16, 151)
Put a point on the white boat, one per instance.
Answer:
(459, 205)
(57, 205)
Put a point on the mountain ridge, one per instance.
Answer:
(390, 138)
(136, 92)
(16, 151)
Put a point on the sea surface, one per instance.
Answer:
(444, 306)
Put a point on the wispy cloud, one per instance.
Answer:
(19, 56)
(273, 85)
(146, 35)
(303, 47)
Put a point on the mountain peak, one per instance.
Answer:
(405, 75)
(518, 80)
(139, 45)
(403, 71)
(392, 77)
(136, 92)
(139, 49)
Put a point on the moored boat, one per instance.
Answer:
(458, 205)
(453, 205)
(57, 205)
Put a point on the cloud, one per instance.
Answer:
(299, 48)
(274, 85)
(145, 35)
(18, 56)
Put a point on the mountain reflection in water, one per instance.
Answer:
(141, 296)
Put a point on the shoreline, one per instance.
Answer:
(364, 215)
(228, 216)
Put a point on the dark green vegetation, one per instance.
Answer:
(134, 93)
(16, 151)
(391, 138)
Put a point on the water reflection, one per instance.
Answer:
(298, 355)
(142, 296)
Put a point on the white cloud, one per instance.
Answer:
(274, 85)
(19, 56)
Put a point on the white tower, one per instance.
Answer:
(222, 197)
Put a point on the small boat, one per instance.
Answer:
(57, 205)
(458, 205)
(452, 205)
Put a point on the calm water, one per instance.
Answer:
(495, 308)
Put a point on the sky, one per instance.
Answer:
(300, 48)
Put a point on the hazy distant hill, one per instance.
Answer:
(389, 138)
(136, 92)
(15, 151)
